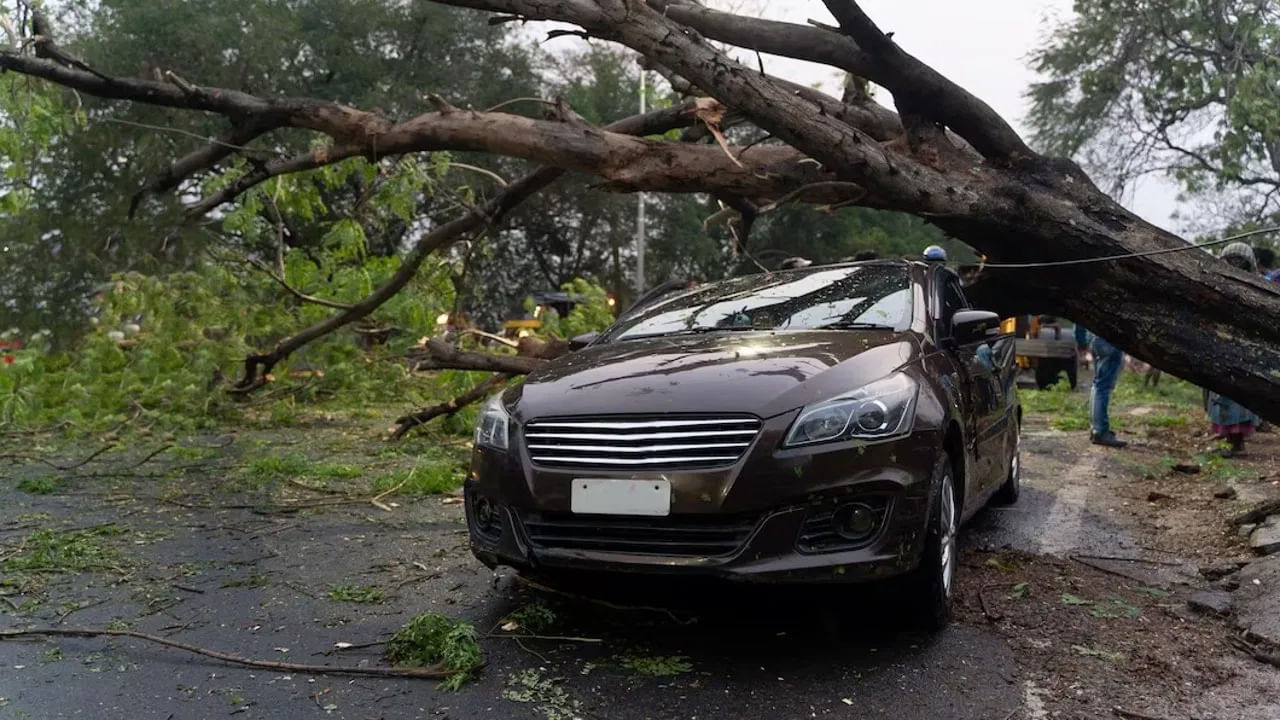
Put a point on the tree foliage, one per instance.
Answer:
(1185, 88)
(76, 231)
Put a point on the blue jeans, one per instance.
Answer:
(1108, 361)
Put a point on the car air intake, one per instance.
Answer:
(678, 535)
(635, 443)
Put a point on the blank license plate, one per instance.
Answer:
(621, 497)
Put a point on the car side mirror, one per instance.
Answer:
(974, 325)
(583, 340)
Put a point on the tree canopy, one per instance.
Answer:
(943, 156)
(1189, 89)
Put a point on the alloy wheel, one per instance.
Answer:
(947, 532)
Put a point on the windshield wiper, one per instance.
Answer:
(856, 326)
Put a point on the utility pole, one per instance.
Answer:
(640, 220)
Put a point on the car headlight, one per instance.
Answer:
(491, 426)
(882, 409)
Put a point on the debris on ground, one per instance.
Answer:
(1265, 538)
(1215, 602)
(1258, 600)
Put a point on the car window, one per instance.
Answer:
(852, 296)
(952, 299)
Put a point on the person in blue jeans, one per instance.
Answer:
(1082, 345)
(1108, 361)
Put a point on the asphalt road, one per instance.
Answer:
(257, 586)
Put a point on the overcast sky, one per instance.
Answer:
(983, 45)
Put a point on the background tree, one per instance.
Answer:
(1188, 89)
(76, 230)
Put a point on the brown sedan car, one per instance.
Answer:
(829, 424)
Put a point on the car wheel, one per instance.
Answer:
(1012, 487)
(931, 583)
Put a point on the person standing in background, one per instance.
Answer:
(1266, 259)
(1108, 362)
(1082, 345)
(1231, 421)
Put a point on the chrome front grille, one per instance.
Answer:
(640, 443)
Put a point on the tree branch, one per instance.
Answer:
(257, 366)
(922, 92)
(440, 355)
(795, 41)
(205, 158)
(432, 672)
(263, 172)
(408, 422)
(296, 292)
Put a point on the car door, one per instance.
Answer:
(981, 387)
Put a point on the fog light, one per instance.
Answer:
(486, 516)
(854, 522)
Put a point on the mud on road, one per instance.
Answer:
(1071, 604)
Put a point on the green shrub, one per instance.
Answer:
(43, 485)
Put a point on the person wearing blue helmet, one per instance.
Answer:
(935, 252)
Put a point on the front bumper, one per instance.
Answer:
(755, 521)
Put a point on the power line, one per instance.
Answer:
(1106, 258)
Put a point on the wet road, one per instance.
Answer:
(257, 586)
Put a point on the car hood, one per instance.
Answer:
(764, 373)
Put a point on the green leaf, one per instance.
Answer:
(1019, 590)
(1069, 599)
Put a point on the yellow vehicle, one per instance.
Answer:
(526, 323)
(1044, 348)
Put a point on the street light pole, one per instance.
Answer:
(640, 219)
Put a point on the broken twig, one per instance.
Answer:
(605, 603)
(427, 673)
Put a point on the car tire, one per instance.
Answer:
(930, 585)
(1012, 487)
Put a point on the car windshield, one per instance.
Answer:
(847, 297)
